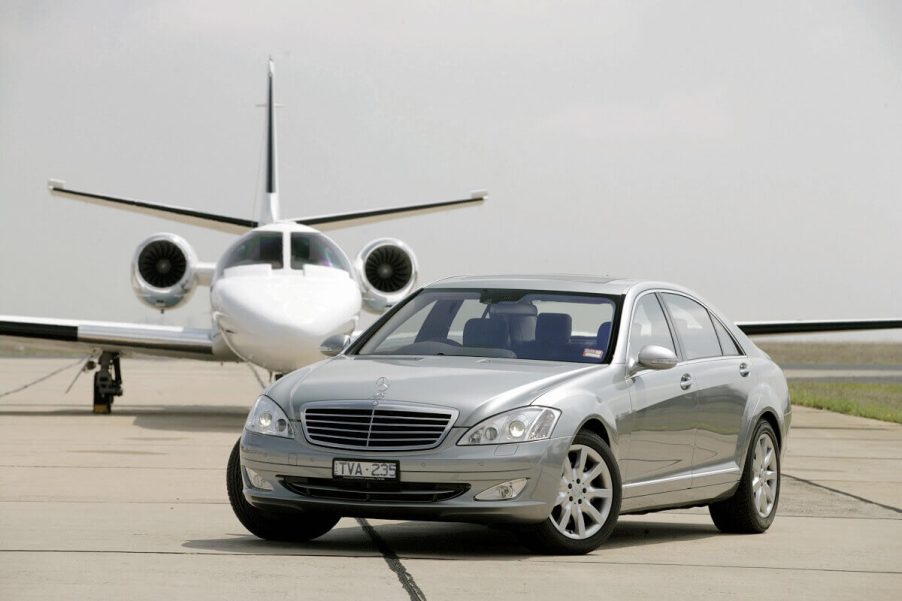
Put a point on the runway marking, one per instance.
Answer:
(393, 561)
(842, 492)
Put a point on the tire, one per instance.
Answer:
(103, 403)
(753, 506)
(293, 526)
(571, 529)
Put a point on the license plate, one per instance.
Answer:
(352, 469)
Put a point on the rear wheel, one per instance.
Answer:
(295, 526)
(753, 506)
(588, 501)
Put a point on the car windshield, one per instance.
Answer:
(516, 324)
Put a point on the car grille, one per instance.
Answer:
(386, 426)
(373, 492)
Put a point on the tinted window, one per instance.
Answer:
(471, 308)
(727, 344)
(254, 249)
(586, 318)
(524, 324)
(649, 326)
(316, 249)
(693, 326)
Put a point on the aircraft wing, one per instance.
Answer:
(326, 222)
(757, 328)
(222, 223)
(124, 338)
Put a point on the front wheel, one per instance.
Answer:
(587, 504)
(296, 527)
(753, 506)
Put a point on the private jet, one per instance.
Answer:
(276, 293)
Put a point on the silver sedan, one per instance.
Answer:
(553, 404)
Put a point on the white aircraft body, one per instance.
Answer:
(276, 293)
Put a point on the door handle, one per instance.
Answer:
(686, 382)
(744, 369)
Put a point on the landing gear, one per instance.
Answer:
(107, 382)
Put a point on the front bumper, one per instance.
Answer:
(285, 462)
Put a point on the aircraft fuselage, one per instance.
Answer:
(280, 290)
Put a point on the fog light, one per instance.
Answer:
(256, 480)
(504, 491)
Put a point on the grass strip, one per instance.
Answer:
(881, 401)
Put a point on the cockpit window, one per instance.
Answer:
(256, 248)
(315, 249)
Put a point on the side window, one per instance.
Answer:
(726, 341)
(649, 326)
(693, 326)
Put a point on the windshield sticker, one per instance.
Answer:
(593, 353)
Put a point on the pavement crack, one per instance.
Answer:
(844, 493)
(393, 561)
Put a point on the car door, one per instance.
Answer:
(718, 373)
(661, 425)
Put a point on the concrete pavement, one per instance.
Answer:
(134, 505)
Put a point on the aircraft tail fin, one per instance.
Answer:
(269, 209)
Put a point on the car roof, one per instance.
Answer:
(557, 282)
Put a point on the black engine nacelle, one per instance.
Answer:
(164, 271)
(387, 271)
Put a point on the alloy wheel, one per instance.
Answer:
(585, 494)
(764, 475)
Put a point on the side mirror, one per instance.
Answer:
(333, 345)
(654, 357)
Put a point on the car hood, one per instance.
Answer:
(478, 387)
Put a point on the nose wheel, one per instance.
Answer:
(107, 382)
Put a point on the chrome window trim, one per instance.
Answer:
(676, 339)
(629, 331)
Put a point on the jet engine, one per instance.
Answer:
(387, 271)
(164, 271)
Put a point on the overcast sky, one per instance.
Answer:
(751, 151)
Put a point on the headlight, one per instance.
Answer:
(519, 425)
(268, 418)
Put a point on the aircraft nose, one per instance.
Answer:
(279, 323)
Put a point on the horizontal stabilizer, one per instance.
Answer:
(231, 225)
(756, 328)
(341, 219)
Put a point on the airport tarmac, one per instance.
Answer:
(133, 505)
